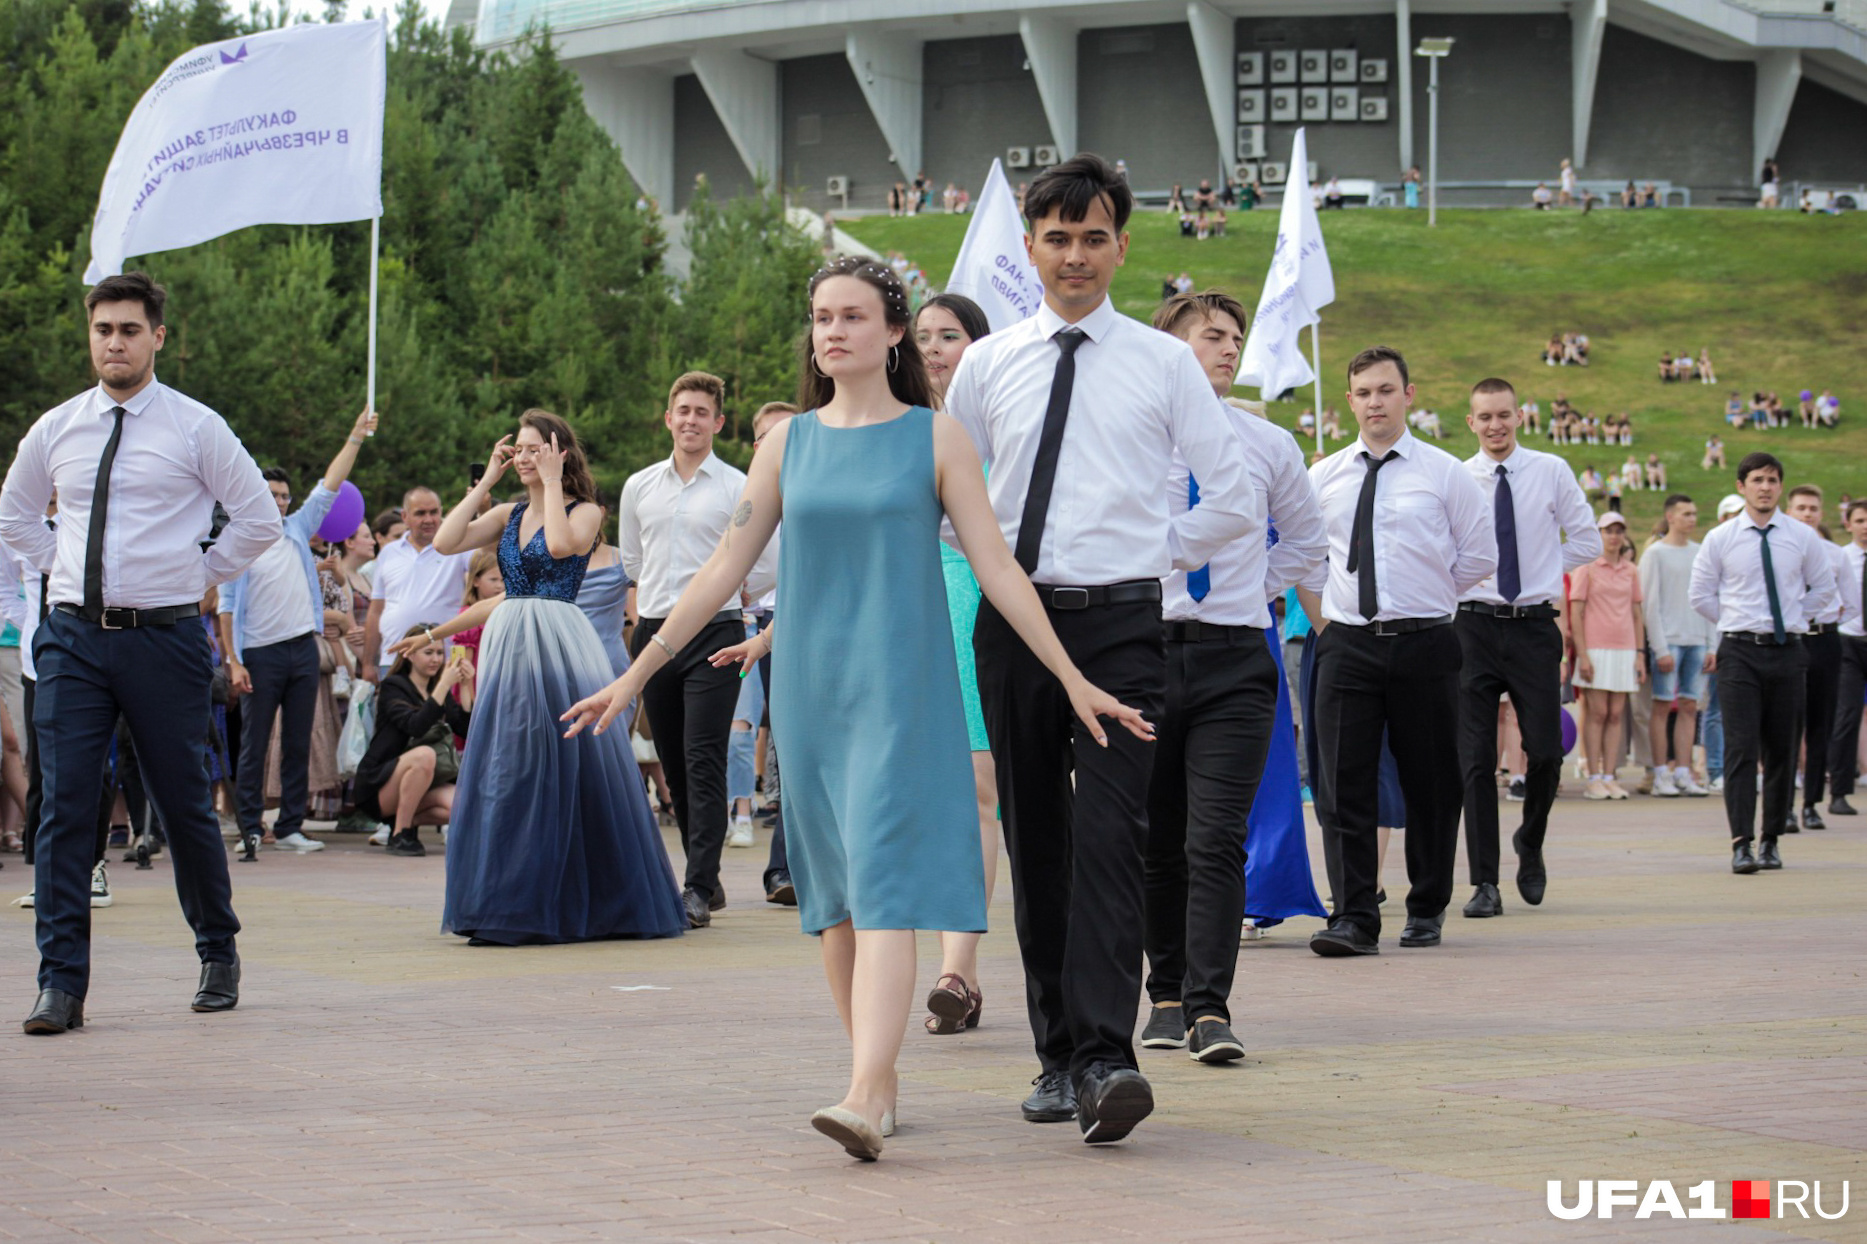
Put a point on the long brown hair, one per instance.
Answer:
(907, 371)
(402, 663)
(579, 485)
(483, 560)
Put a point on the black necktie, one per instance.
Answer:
(1504, 518)
(1769, 583)
(1361, 550)
(94, 535)
(1049, 445)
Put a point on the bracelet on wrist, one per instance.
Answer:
(661, 643)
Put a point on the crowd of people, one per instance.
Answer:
(1765, 410)
(967, 572)
(1683, 367)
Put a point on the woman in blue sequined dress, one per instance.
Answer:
(552, 839)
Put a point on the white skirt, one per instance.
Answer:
(1614, 670)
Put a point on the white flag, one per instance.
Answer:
(283, 127)
(1297, 288)
(993, 268)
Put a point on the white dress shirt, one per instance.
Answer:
(668, 527)
(175, 459)
(275, 598)
(417, 586)
(1245, 574)
(1139, 394)
(1727, 578)
(1433, 541)
(1550, 507)
(1847, 573)
(1847, 604)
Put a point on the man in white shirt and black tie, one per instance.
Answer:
(1077, 412)
(1844, 747)
(1761, 577)
(1409, 534)
(137, 468)
(1221, 703)
(1512, 644)
(669, 520)
(1824, 648)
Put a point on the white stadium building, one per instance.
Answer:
(838, 99)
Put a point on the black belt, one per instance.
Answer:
(724, 615)
(1761, 637)
(128, 619)
(1399, 626)
(1822, 628)
(1193, 631)
(1134, 592)
(1490, 610)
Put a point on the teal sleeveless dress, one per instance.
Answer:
(880, 818)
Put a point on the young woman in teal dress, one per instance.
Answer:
(879, 814)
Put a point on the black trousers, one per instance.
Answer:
(778, 860)
(285, 686)
(157, 678)
(1818, 723)
(1408, 686)
(1845, 740)
(1208, 761)
(690, 710)
(1522, 658)
(1075, 851)
(1760, 687)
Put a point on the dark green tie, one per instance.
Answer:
(1769, 583)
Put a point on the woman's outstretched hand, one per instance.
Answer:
(602, 708)
(1092, 704)
(744, 655)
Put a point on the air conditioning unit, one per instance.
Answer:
(1017, 157)
(1283, 68)
(1345, 103)
(1314, 66)
(837, 187)
(1284, 103)
(1253, 105)
(1250, 142)
(1271, 173)
(1044, 157)
(1314, 105)
(1251, 69)
(1374, 107)
(1245, 174)
(1342, 63)
(1374, 69)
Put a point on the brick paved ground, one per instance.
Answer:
(1657, 1018)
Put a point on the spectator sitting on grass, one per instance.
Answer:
(1591, 429)
(1805, 408)
(1176, 199)
(1828, 409)
(1306, 423)
(1631, 474)
(1332, 195)
(1669, 371)
(1624, 429)
(1189, 224)
(1590, 480)
(1759, 412)
(1735, 412)
(1779, 415)
(1532, 416)
(1714, 454)
(1705, 374)
(1656, 473)
(1552, 350)
(1541, 197)
(1202, 227)
(1331, 423)
(1575, 349)
(1218, 221)
(1425, 423)
(1650, 195)
(1630, 197)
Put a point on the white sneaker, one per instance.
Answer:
(100, 886)
(1717, 785)
(381, 837)
(740, 835)
(1663, 787)
(24, 900)
(1251, 933)
(299, 843)
(1596, 789)
(1688, 785)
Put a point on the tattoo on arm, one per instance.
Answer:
(743, 514)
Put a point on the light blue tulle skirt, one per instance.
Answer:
(552, 839)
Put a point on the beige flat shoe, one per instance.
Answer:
(888, 1123)
(850, 1130)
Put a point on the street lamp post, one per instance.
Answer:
(1434, 50)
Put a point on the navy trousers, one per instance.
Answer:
(157, 678)
(285, 685)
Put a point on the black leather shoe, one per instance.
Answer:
(55, 1012)
(719, 897)
(1767, 858)
(1839, 806)
(249, 852)
(1052, 1101)
(406, 842)
(1422, 930)
(220, 986)
(1212, 1041)
(1112, 1100)
(1532, 879)
(1486, 902)
(1342, 940)
(779, 890)
(1743, 859)
(1166, 1028)
(698, 917)
(1790, 825)
(1811, 819)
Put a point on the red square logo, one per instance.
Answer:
(1750, 1198)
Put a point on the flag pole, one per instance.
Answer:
(375, 253)
(1315, 355)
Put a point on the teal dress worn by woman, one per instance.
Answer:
(880, 817)
(962, 606)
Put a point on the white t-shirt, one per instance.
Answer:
(275, 597)
(414, 587)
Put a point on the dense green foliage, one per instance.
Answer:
(517, 267)
(1779, 298)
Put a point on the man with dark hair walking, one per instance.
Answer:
(1409, 534)
(1077, 412)
(1844, 747)
(137, 468)
(1510, 640)
(1761, 577)
(1824, 648)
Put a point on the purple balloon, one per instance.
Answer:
(346, 514)
(1568, 732)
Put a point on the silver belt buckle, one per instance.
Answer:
(103, 619)
(1069, 598)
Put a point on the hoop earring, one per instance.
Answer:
(814, 367)
(894, 358)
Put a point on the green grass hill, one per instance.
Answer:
(1780, 299)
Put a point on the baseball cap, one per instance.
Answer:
(1730, 505)
(1611, 518)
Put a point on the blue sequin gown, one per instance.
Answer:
(552, 839)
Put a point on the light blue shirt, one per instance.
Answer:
(299, 526)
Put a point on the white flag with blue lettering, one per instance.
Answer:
(993, 268)
(1299, 285)
(282, 127)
